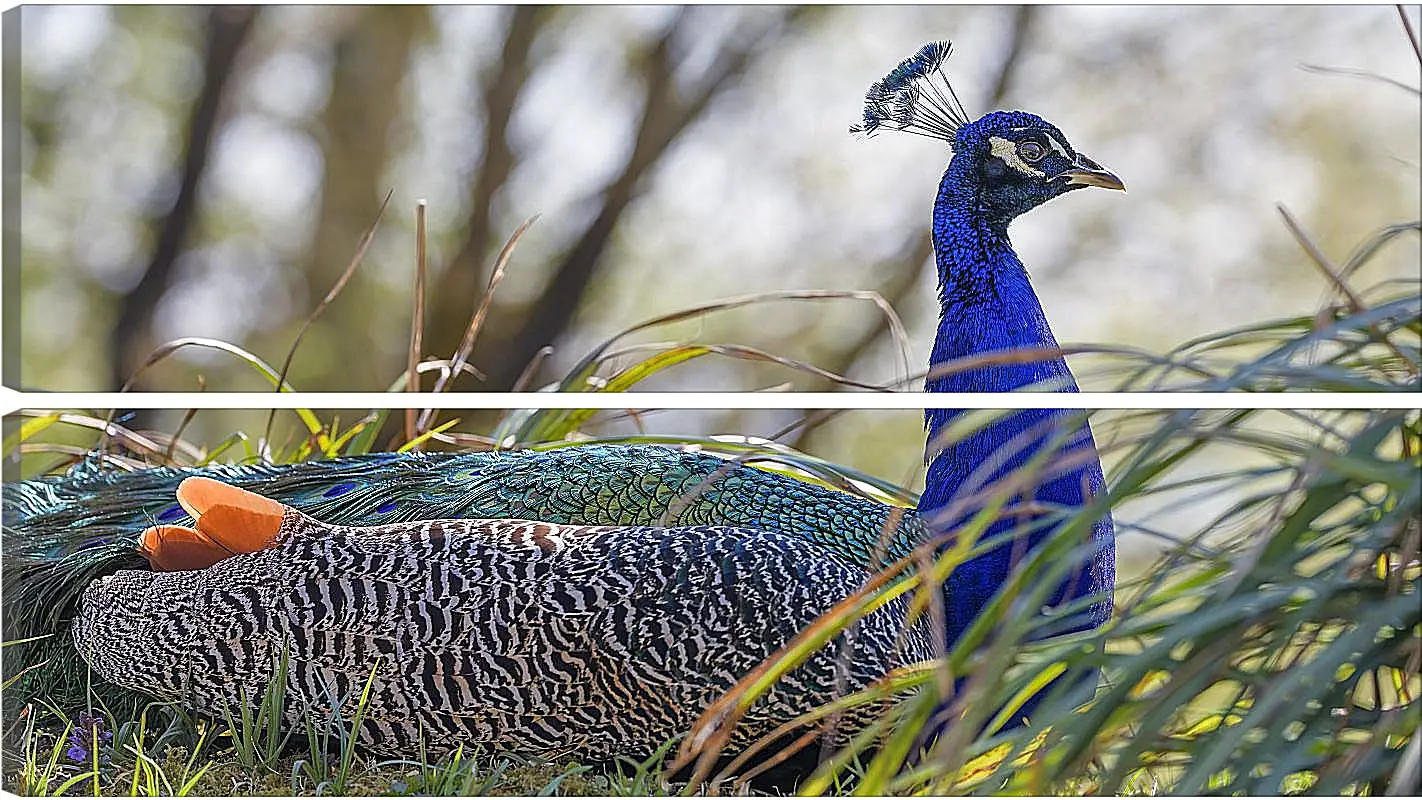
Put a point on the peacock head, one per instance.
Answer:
(1012, 160)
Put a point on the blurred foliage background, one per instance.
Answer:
(190, 171)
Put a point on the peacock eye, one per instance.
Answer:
(1031, 151)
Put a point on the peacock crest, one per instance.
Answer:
(915, 97)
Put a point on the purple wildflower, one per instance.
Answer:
(89, 732)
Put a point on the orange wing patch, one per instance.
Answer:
(174, 548)
(229, 521)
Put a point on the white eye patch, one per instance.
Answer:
(1006, 149)
(1057, 147)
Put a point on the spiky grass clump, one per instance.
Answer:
(1273, 649)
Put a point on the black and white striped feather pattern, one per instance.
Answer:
(522, 636)
(61, 533)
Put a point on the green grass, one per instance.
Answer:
(200, 758)
(1273, 647)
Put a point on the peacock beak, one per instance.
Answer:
(1086, 172)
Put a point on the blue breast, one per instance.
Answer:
(989, 306)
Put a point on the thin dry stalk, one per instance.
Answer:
(896, 325)
(160, 353)
(108, 428)
(1032, 355)
(531, 369)
(477, 321)
(1355, 303)
(1411, 34)
(178, 434)
(747, 353)
(74, 454)
(443, 366)
(417, 319)
(356, 260)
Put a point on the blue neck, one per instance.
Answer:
(986, 299)
(988, 306)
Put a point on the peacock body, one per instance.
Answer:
(533, 636)
(523, 628)
(61, 533)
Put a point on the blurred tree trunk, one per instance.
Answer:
(371, 58)
(131, 340)
(514, 334)
(463, 281)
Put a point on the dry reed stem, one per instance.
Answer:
(476, 322)
(417, 319)
(1355, 303)
(335, 291)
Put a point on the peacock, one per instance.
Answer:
(593, 599)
